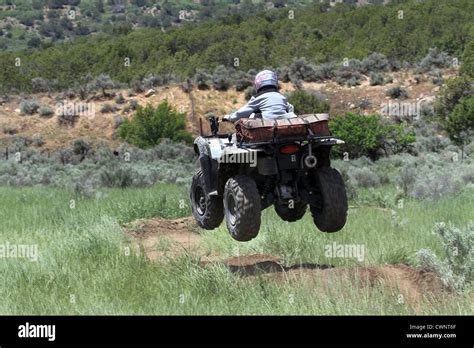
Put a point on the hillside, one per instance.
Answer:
(240, 43)
(364, 98)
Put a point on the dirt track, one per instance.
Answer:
(161, 239)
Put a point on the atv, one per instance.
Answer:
(237, 180)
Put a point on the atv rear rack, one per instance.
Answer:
(321, 140)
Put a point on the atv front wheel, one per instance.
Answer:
(291, 214)
(207, 210)
(331, 215)
(242, 208)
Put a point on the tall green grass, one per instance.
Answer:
(83, 266)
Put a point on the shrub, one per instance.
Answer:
(467, 67)
(29, 107)
(45, 110)
(67, 119)
(364, 104)
(460, 124)
(283, 74)
(324, 71)
(202, 79)
(137, 86)
(107, 108)
(102, 82)
(37, 140)
(220, 78)
(407, 178)
(118, 120)
(116, 175)
(10, 130)
(397, 93)
(375, 62)
(457, 269)
(300, 69)
(436, 77)
(307, 102)
(347, 76)
(119, 99)
(39, 85)
(250, 92)
(152, 80)
(364, 177)
(133, 104)
(80, 147)
(450, 95)
(434, 59)
(368, 136)
(376, 79)
(433, 185)
(150, 125)
(85, 185)
(242, 81)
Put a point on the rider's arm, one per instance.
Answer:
(245, 111)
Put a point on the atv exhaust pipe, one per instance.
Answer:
(310, 160)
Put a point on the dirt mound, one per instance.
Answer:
(406, 284)
(161, 238)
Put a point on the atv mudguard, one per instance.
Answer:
(214, 153)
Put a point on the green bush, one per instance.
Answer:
(45, 110)
(307, 102)
(451, 94)
(376, 79)
(220, 78)
(368, 136)
(460, 124)
(29, 107)
(150, 125)
(202, 79)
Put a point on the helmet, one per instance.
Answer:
(266, 78)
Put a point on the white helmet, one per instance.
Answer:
(266, 78)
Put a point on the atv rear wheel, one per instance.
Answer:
(242, 207)
(286, 213)
(207, 210)
(331, 215)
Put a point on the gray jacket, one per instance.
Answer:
(270, 104)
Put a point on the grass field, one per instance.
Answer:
(85, 267)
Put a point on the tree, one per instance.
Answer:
(467, 66)
(149, 126)
(460, 124)
(103, 82)
(450, 95)
(34, 42)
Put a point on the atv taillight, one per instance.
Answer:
(289, 149)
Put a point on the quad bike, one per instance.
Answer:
(287, 173)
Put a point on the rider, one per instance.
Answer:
(267, 103)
